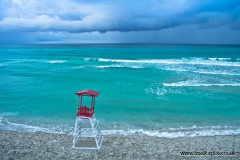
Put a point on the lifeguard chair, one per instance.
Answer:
(86, 115)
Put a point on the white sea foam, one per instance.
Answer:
(224, 59)
(181, 61)
(212, 59)
(217, 72)
(192, 61)
(162, 91)
(179, 65)
(179, 132)
(103, 66)
(6, 125)
(137, 67)
(56, 61)
(163, 132)
(148, 61)
(195, 84)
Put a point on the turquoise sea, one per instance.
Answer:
(158, 90)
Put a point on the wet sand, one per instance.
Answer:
(38, 145)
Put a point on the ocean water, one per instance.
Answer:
(158, 90)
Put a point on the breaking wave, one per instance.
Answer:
(6, 125)
(190, 61)
(193, 131)
(212, 66)
(163, 132)
(194, 84)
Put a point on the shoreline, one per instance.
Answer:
(40, 145)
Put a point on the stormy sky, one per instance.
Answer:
(120, 21)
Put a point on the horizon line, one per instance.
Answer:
(114, 43)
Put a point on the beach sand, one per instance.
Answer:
(38, 145)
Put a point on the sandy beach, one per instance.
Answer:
(38, 145)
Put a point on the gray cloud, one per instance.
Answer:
(124, 16)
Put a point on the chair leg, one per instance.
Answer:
(96, 133)
(75, 132)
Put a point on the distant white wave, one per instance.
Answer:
(105, 66)
(224, 59)
(191, 61)
(12, 61)
(213, 59)
(202, 71)
(120, 66)
(195, 84)
(56, 61)
(136, 67)
(217, 72)
(118, 60)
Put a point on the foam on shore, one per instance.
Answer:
(193, 131)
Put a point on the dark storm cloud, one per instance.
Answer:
(124, 16)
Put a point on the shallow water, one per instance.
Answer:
(161, 90)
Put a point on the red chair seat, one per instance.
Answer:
(84, 111)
